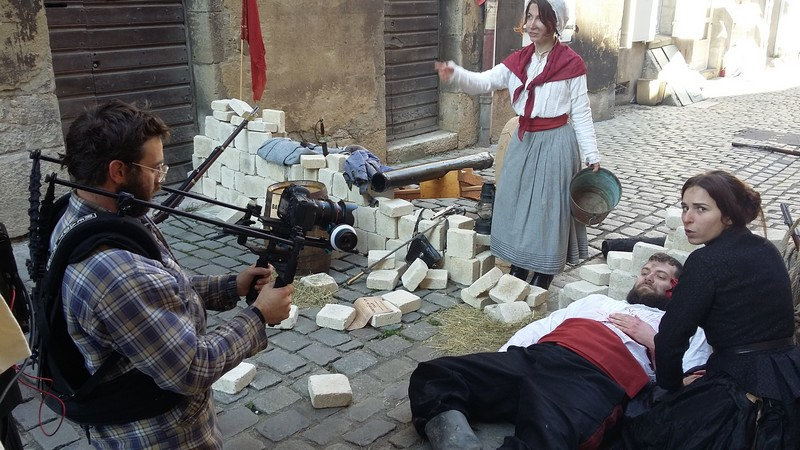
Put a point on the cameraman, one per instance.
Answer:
(150, 311)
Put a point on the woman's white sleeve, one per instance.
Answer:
(480, 82)
(581, 116)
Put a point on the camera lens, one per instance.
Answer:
(329, 212)
(344, 238)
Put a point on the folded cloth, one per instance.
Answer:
(360, 167)
(286, 151)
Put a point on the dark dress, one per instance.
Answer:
(737, 289)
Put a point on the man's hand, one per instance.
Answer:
(274, 303)
(445, 72)
(689, 379)
(595, 167)
(246, 277)
(638, 330)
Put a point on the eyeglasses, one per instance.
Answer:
(162, 171)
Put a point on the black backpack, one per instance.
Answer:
(88, 399)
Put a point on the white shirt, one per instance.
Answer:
(551, 99)
(599, 307)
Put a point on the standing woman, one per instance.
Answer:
(533, 226)
(737, 289)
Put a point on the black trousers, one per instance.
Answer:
(554, 397)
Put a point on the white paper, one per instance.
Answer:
(13, 346)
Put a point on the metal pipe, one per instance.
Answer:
(429, 171)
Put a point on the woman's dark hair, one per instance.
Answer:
(111, 131)
(737, 201)
(546, 14)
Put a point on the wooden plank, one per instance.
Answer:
(139, 57)
(65, 14)
(422, 23)
(68, 39)
(141, 79)
(444, 187)
(411, 8)
(143, 36)
(132, 15)
(71, 62)
(405, 55)
(178, 153)
(400, 115)
(413, 99)
(410, 70)
(175, 115)
(410, 39)
(412, 85)
(72, 85)
(183, 133)
(413, 128)
(660, 58)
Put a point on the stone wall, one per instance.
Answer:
(29, 117)
(322, 62)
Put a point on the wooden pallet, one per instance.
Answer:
(462, 183)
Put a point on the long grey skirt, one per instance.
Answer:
(532, 226)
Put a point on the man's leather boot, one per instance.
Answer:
(450, 430)
(518, 272)
(542, 280)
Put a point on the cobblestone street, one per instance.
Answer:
(652, 150)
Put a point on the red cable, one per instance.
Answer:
(13, 297)
(41, 403)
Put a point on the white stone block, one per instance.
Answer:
(483, 240)
(313, 161)
(508, 312)
(673, 218)
(595, 273)
(227, 177)
(434, 279)
(336, 161)
(336, 317)
(676, 240)
(202, 146)
(340, 187)
(228, 215)
(375, 255)
(537, 297)
(321, 282)
(236, 121)
(365, 218)
(620, 283)
(563, 299)
(476, 302)
(262, 127)
(289, 322)
(296, 172)
(325, 176)
(485, 282)
(394, 207)
(402, 248)
(461, 270)
(457, 221)
(254, 141)
(275, 116)
(383, 280)
(386, 226)
(619, 260)
(221, 105)
(276, 172)
(209, 188)
(329, 390)
(240, 141)
(375, 241)
(681, 256)
(224, 130)
(406, 301)
(236, 379)
(241, 107)
(211, 129)
(310, 174)
(486, 260)
(224, 116)
(405, 226)
(247, 164)
(509, 289)
(414, 275)
(579, 289)
(252, 185)
(230, 158)
(383, 319)
(461, 243)
(642, 251)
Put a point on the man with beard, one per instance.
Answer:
(145, 313)
(562, 380)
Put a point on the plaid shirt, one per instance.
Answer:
(154, 315)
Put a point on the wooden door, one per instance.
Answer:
(132, 50)
(411, 43)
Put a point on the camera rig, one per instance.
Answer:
(285, 237)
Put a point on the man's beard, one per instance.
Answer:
(650, 299)
(137, 189)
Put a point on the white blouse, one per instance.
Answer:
(552, 99)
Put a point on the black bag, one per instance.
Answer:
(420, 247)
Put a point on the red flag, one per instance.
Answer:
(251, 32)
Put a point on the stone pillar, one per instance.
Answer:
(460, 40)
(29, 116)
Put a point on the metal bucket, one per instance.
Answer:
(592, 195)
(312, 259)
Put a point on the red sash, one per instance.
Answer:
(599, 345)
(541, 123)
(562, 64)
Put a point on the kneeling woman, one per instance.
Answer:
(737, 289)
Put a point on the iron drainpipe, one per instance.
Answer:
(485, 100)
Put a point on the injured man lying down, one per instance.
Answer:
(563, 380)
